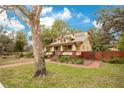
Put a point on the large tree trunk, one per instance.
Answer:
(38, 50)
(33, 19)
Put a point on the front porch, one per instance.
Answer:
(64, 49)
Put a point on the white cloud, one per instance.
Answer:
(12, 23)
(46, 10)
(86, 20)
(3, 18)
(47, 21)
(79, 15)
(64, 15)
(16, 25)
(96, 25)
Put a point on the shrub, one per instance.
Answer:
(103, 60)
(18, 55)
(76, 60)
(63, 58)
(71, 60)
(116, 60)
(29, 55)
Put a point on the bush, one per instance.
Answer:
(122, 60)
(18, 55)
(76, 60)
(71, 60)
(29, 55)
(116, 60)
(63, 58)
(103, 60)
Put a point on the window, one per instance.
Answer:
(56, 48)
(70, 47)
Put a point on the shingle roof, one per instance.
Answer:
(77, 38)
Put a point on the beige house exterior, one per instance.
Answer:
(70, 44)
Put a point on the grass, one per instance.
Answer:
(107, 75)
(12, 60)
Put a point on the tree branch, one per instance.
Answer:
(4, 8)
(21, 17)
(23, 10)
(39, 10)
(36, 10)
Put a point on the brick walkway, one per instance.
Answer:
(94, 64)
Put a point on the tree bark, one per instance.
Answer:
(38, 49)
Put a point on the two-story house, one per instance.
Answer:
(70, 44)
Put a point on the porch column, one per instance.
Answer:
(74, 50)
(73, 47)
(52, 49)
(44, 49)
(61, 49)
(81, 47)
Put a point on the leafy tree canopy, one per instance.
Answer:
(20, 41)
(6, 43)
(112, 24)
(112, 20)
(121, 42)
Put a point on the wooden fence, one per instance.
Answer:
(102, 55)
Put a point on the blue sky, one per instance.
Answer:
(81, 17)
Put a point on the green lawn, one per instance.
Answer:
(107, 75)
